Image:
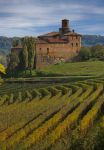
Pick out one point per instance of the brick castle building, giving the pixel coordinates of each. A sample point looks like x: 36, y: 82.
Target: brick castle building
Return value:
x: 55, y: 47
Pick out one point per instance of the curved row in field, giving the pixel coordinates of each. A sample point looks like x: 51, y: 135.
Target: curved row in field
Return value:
x: 48, y: 113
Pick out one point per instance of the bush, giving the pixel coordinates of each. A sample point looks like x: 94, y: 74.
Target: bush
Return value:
x: 85, y: 53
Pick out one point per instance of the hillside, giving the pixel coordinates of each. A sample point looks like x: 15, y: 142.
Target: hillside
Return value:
x: 90, y: 40
x: 87, y: 40
x: 88, y: 68
x: 5, y: 44
x: 73, y: 69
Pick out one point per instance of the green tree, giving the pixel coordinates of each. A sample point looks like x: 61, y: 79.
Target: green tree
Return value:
x: 13, y: 62
x: 85, y: 53
x: 98, y: 51
x: 15, y: 43
x: 24, y: 54
x: 31, y: 52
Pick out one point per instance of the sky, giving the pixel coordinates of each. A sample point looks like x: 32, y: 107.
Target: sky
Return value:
x: 36, y: 17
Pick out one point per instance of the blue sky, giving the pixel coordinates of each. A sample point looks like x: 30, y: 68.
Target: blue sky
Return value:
x: 35, y: 17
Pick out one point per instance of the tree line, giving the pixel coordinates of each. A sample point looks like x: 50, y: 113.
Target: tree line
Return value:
x: 94, y: 53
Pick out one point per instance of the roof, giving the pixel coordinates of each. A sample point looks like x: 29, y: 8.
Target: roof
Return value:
x: 51, y: 40
x: 72, y: 33
x: 41, y: 41
x: 50, y: 34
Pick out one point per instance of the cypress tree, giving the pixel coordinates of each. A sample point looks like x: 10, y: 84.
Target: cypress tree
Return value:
x: 25, y: 57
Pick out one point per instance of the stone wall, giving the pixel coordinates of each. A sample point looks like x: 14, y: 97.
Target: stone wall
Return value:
x: 51, y: 53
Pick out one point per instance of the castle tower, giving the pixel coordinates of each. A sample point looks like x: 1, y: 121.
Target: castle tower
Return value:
x: 65, y: 27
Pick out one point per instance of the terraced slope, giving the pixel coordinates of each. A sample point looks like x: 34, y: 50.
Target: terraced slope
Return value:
x: 53, y: 117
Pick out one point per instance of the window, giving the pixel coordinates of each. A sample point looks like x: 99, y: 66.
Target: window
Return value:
x: 40, y: 50
x: 72, y: 44
x: 76, y: 44
x: 47, y: 51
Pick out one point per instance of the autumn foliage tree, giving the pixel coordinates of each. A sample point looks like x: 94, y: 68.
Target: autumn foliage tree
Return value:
x: 2, y: 69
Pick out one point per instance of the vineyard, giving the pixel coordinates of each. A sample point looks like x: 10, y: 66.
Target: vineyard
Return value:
x: 52, y: 117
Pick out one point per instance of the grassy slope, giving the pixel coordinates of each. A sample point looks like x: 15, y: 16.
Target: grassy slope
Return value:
x: 94, y: 68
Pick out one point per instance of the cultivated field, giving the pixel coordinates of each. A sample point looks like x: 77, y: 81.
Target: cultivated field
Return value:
x: 58, y: 117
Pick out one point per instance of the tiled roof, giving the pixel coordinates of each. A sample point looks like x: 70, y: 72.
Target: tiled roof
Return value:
x: 50, y: 34
x: 72, y: 33
x: 41, y: 41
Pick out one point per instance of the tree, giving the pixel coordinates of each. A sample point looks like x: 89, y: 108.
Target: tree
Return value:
x: 2, y: 69
x: 98, y: 51
x: 31, y: 52
x: 13, y: 62
x: 28, y: 44
x: 15, y: 43
x: 85, y: 53
x: 25, y: 57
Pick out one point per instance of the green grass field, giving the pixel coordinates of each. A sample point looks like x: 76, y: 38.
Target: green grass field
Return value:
x: 90, y: 68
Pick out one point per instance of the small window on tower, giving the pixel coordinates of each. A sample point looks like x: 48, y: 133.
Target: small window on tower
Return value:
x: 65, y: 23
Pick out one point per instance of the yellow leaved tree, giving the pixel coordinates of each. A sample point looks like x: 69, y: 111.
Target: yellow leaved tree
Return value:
x: 2, y: 69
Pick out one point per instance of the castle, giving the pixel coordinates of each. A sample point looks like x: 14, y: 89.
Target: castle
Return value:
x: 55, y: 47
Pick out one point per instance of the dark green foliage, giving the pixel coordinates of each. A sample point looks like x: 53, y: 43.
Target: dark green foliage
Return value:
x: 85, y: 53
x: 30, y: 42
x: 16, y: 42
x: 98, y: 52
x: 13, y: 63
x: 90, y: 40
x: 24, y: 54
x: 94, y: 52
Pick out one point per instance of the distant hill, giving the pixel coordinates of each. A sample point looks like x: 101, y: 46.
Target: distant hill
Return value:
x: 90, y: 40
x: 6, y: 44
x: 87, y: 40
